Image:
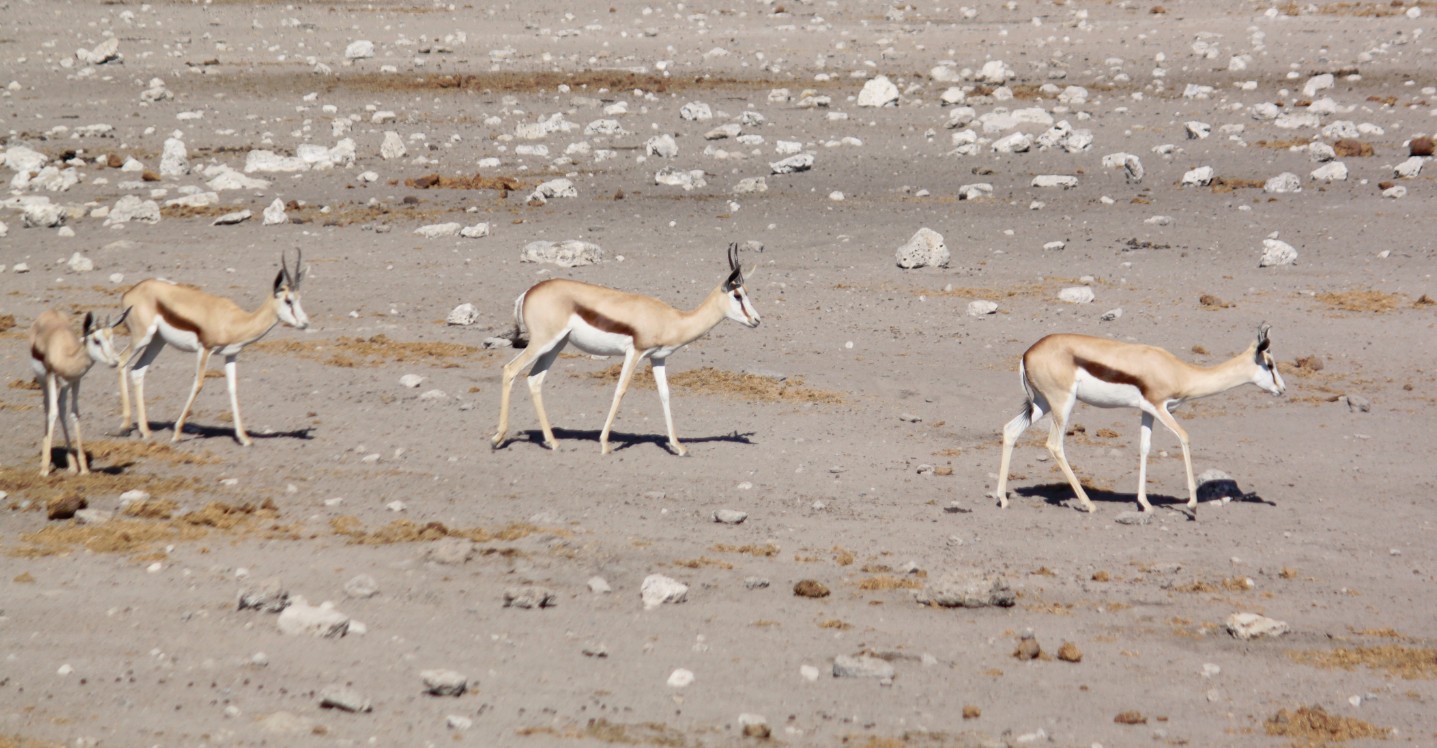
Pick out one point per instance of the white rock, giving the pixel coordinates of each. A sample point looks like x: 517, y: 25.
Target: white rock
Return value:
x: 1198, y: 130
x: 440, y: 230
x: 982, y: 308
x: 688, y: 179
x: 809, y: 673
x: 391, y: 148
x: 658, y: 589
x: 729, y: 516
x: 662, y: 146
x: 1283, y: 183
x: 1396, y: 192
x: 22, y: 158
x: 1253, y: 626
x: 925, y: 248
x: 477, y: 231
x: 1318, y: 83
x: 1199, y: 177
x: 1332, y: 171
x: 1013, y: 143
x: 1321, y: 152
x: 269, y: 161
x: 557, y: 188
x: 464, y: 314
x: 975, y: 191
x: 1058, y: 181
x: 568, y: 253
x: 274, y: 214
x: 862, y: 666
x: 1076, y: 295
x: 106, y: 51
x: 995, y: 71
x: 953, y: 96
x: 229, y: 179
x: 878, y: 92
x: 412, y: 381
x: 724, y: 131
x: 680, y: 678
x: 599, y: 586
x: 751, y: 185
x: 80, y: 264
x: 792, y: 164
x: 444, y: 682
x: 604, y: 127
x: 131, y: 208
x: 696, y: 111
x: 1409, y: 168
x: 302, y: 619
x: 175, y: 161
x: 1276, y: 252
x: 230, y: 219
x: 359, y: 49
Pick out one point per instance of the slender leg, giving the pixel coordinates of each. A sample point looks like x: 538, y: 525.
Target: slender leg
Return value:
x: 631, y: 361
x: 1145, y: 444
x: 1182, y: 435
x: 202, y: 361
x: 52, y: 409
x: 138, y: 365
x: 124, y: 369
x: 536, y: 390
x: 232, y: 380
x: 1055, y: 446
x: 511, y: 372
x: 1011, y: 432
x: 661, y: 379
x: 79, y: 442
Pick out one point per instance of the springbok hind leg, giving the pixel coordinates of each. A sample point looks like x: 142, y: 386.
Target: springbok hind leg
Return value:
x: 1055, y: 446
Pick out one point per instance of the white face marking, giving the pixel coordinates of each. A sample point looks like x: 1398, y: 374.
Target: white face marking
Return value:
x: 1098, y: 393
x: 740, y: 309
x: 101, y: 346
x: 290, y: 312
x: 596, y: 342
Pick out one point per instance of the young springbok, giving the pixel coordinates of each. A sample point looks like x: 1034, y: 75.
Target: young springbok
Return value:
x: 60, y: 359
x: 605, y: 322
x: 191, y: 320
x: 1061, y: 370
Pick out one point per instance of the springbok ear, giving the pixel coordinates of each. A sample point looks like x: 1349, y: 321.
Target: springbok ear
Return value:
x: 279, y: 281
x: 1262, y: 340
x: 121, y: 320
x: 89, y: 322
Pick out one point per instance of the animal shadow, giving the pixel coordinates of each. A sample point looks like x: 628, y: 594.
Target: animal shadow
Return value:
x: 202, y: 431
x: 621, y: 440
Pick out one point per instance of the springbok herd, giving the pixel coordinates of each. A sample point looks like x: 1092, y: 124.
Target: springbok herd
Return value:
x: 1056, y: 372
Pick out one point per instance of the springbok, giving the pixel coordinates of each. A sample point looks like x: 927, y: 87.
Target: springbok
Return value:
x: 604, y: 322
x: 1060, y: 370
x: 60, y: 360
x: 191, y: 320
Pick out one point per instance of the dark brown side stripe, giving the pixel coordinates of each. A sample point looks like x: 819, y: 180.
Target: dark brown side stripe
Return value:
x: 599, y: 321
x: 174, y: 320
x: 1110, y: 375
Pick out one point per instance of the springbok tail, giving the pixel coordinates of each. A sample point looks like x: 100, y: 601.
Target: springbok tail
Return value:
x: 517, y: 337
x: 1031, y: 411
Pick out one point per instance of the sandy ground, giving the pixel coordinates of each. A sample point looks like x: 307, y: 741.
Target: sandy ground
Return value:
x: 857, y: 427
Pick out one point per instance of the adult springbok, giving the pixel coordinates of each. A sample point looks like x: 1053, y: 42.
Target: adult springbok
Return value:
x: 60, y: 360
x: 191, y: 320
x: 1061, y: 370
x: 604, y: 322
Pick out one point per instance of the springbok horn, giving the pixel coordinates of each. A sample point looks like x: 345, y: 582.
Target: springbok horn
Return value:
x: 298, y: 266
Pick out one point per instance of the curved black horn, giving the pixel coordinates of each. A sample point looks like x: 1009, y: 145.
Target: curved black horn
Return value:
x: 733, y: 256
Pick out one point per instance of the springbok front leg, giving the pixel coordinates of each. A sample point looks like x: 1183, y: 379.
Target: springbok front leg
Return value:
x: 661, y: 380
x: 80, y: 458
x: 1167, y: 420
x: 631, y: 362
x: 202, y: 361
x: 232, y: 382
x: 52, y: 410
x: 1145, y: 445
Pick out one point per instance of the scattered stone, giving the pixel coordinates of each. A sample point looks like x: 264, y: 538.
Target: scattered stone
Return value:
x: 1134, y: 518
x: 359, y: 49
x: 529, y: 597
x: 175, y: 160
x: 458, y: 722
x: 1276, y: 253
x: 751, y: 185
x: 1421, y: 146
x: 1111, y: 314
x: 79, y: 263
x: 93, y: 516
x: 65, y: 507
x: 793, y: 164
x: 1055, y: 181
x: 599, y: 650
x: 1077, y: 295
x: 662, y: 146
x: 730, y: 516
x: 1247, y: 626
x: 321, y: 621
x: 695, y: 111
x: 391, y: 148
x: 686, y: 179
x: 982, y: 308
x: 1283, y: 183
x: 1027, y: 648
x: 1333, y: 171
x: 810, y: 588
x: 878, y: 92
x: 450, y: 551
x: 755, y: 583
x: 967, y: 589
x: 754, y: 726
x: 1198, y: 130
x: 129, y: 208
x: 439, y: 230
x: 477, y: 231
x: 925, y: 248
x: 1410, y: 168
x: 230, y: 219
x: 680, y: 678
x: 361, y: 587
x: 268, y: 596
x: 658, y: 589
x: 863, y: 666
x: 464, y: 314
x: 274, y: 215
x: 444, y: 682
x: 343, y: 698
x: 568, y: 253
x: 971, y: 712
x: 1199, y: 177
x: 599, y: 586
x: 271, y: 162
x: 1069, y: 652
x: 1357, y: 403
x: 104, y: 52
x: 1215, y: 485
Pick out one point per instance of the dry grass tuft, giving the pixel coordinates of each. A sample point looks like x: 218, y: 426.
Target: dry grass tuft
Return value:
x: 150, y: 523
x: 1368, y: 300
x: 7, y: 322
x: 476, y: 182
x: 377, y: 349
x: 1408, y: 663
x: 835, y: 624
x: 616, y: 733
x: 703, y: 561
x: 889, y: 582
x: 711, y: 381
x: 1312, y: 726
x: 768, y: 550
x: 406, y: 531
x: 1226, y: 184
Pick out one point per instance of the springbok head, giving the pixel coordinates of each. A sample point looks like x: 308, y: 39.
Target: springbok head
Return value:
x: 286, y: 292
x: 739, y: 309
x: 99, y: 338
x: 1266, y: 375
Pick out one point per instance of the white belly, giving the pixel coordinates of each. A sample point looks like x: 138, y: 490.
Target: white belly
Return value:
x: 1096, y: 392
x: 181, y: 339
x: 596, y: 342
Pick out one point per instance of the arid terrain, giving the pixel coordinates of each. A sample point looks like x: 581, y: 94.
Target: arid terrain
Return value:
x: 857, y: 427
